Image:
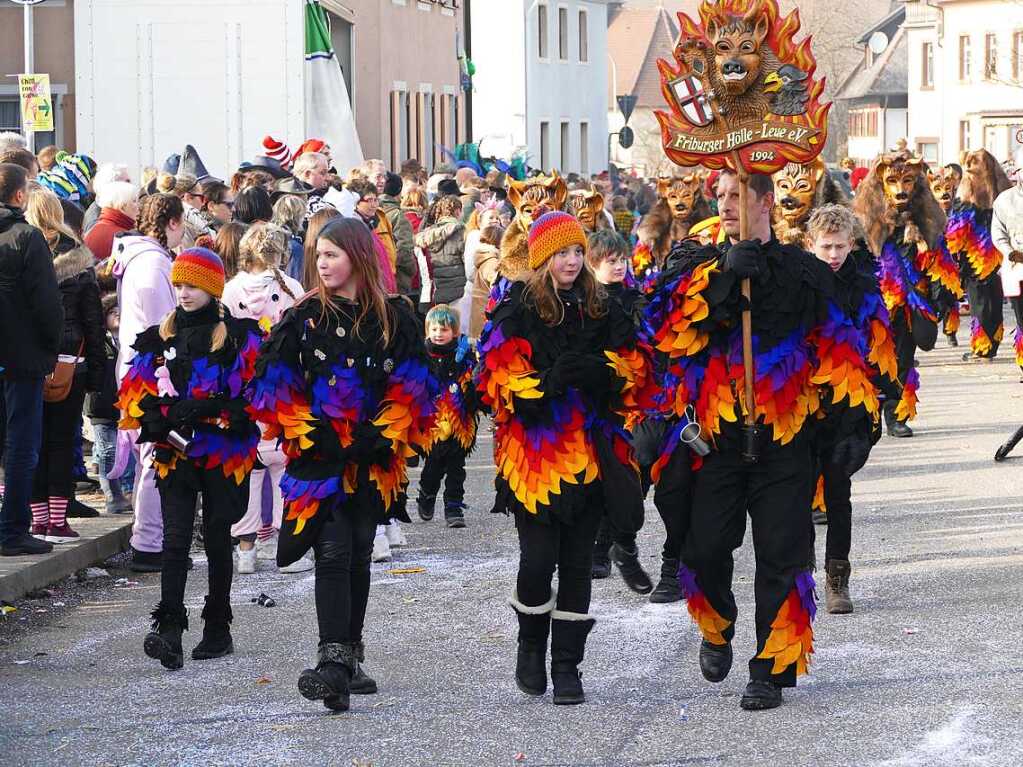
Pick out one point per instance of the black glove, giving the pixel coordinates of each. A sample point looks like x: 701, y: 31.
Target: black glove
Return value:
x: 594, y: 376
x: 565, y: 372
x: 370, y: 445
x: 744, y: 258
x: 851, y: 452
x: 188, y: 412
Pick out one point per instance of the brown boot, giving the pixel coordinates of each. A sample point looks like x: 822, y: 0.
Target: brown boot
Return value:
x: 836, y: 587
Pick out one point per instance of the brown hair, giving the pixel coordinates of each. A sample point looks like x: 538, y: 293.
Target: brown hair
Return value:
x: 13, y: 179
x: 319, y: 219
x: 213, y: 191
x: 245, y: 179
x: 48, y: 157
x: 977, y: 189
x: 263, y: 248
x: 603, y: 244
x: 492, y: 235
x: 227, y: 245
x: 759, y: 183
x: 178, y: 185
x: 831, y: 219
x: 355, y: 239
x: 449, y: 205
x: 414, y: 199
x: 541, y: 294
x: 21, y: 157
x: 362, y: 187
x: 156, y: 213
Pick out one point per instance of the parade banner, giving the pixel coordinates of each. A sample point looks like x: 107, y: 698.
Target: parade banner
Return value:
x: 36, y: 103
x: 742, y: 92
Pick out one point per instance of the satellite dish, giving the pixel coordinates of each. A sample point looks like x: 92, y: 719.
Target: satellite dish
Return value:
x: 878, y: 43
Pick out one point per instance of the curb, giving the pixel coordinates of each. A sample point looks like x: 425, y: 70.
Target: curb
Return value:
x: 102, y: 538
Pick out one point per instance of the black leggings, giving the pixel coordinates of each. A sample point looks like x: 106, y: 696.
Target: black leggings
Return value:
x: 447, y: 459
x: 837, y: 498
x: 223, y: 503
x: 343, y: 553
x: 546, y: 546
x: 57, y: 454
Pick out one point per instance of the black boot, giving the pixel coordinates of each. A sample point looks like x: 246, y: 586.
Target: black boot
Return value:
x: 163, y: 643
x: 601, y: 567
x: 896, y: 428
x: 952, y: 340
x: 760, y: 695
x: 331, y: 678
x: 425, y: 504
x: 632, y: 571
x: 454, y: 514
x: 216, y: 632
x: 531, y: 657
x: 668, y: 588
x: 361, y: 683
x: 715, y: 660
x: 568, y: 646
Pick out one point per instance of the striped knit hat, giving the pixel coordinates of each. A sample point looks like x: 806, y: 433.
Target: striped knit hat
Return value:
x: 553, y: 232
x: 277, y: 150
x: 70, y: 176
x: 200, y: 268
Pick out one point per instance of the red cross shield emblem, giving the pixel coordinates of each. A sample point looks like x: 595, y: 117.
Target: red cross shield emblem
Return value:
x: 692, y: 100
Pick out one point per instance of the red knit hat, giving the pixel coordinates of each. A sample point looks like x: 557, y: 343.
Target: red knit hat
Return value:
x: 277, y: 150
x: 201, y: 268
x: 553, y: 232
x: 311, y: 145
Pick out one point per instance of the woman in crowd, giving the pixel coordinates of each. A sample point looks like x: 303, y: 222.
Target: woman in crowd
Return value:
x: 119, y: 207
x: 218, y: 203
x: 82, y: 346
x: 289, y: 213
x: 227, y: 244
x: 486, y: 260
x: 319, y: 219
x: 343, y: 382
x: 260, y: 291
x: 252, y: 205
x: 445, y: 239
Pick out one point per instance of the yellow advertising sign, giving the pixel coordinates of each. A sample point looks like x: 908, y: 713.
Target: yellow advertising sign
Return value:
x: 36, y: 103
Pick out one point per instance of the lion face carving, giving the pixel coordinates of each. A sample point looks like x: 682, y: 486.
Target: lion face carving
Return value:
x: 681, y: 194
x: 943, y: 186
x: 899, y: 177
x: 795, y: 189
x: 588, y: 208
x: 737, y: 48
x: 536, y: 196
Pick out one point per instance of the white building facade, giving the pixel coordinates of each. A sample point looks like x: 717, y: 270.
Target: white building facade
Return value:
x: 541, y: 82
x: 965, y: 77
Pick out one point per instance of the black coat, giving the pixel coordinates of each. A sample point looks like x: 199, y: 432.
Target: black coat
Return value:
x: 31, y: 316
x: 83, y: 313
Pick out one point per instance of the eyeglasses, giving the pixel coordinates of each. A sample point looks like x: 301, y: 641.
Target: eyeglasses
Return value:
x: 369, y: 200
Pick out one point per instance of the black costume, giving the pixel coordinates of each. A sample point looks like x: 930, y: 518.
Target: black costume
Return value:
x: 809, y: 362
x: 187, y: 400
x: 968, y: 234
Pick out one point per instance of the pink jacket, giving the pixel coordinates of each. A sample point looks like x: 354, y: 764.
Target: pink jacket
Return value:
x: 144, y: 291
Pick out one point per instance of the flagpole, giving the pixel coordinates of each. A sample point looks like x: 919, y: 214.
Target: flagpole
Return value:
x: 29, y: 37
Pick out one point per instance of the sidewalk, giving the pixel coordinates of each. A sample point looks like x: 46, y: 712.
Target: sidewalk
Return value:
x: 101, y: 537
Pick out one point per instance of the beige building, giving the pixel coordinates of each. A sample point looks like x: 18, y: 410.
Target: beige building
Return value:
x: 399, y: 58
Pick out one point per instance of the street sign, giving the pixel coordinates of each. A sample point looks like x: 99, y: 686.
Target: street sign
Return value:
x: 626, y: 104
x: 626, y: 137
x: 36, y: 103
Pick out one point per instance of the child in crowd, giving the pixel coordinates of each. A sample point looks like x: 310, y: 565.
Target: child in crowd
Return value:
x: 101, y: 407
x: 184, y: 392
x: 262, y: 292
x: 452, y: 360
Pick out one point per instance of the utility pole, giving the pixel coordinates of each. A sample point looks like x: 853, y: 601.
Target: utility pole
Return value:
x: 29, y: 37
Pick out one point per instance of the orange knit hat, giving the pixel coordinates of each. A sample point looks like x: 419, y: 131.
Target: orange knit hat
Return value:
x: 553, y: 232
x: 201, y: 268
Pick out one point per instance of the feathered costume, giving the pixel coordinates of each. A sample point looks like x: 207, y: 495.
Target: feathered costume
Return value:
x: 812, y: 367
x: 348, y: 412
x: 968, y: 235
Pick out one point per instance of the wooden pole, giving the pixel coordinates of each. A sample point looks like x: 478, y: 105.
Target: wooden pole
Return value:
x: 747, y: 315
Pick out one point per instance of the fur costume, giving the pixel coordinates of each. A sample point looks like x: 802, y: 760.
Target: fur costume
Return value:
x: 588, y: 208
x: 798, y: 191
x: 680, y: 205
x: 531, y: 199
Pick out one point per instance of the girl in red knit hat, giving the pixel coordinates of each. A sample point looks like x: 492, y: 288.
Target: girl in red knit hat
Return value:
x: 559, y: 368
x: 184, y: 393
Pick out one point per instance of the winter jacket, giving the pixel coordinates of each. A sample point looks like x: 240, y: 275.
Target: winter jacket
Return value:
x: 83, y: 313
x: 487, y: 259
x: 296, y: 258
x: 446, y: 243
x: 145, y: 295
x: 31, y: 312
x: 261, y: 295
x: 101, y: 405
x: 558, y: 395
x: 406, y: 269
x: 348, y: 410
x: 100, y: 239
x: 180, y: 384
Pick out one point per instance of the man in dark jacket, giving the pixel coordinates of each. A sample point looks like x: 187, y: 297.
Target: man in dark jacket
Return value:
x: 406, y: 269
x: 31, y: 328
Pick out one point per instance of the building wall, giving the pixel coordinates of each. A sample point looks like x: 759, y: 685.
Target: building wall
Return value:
x: 404, y: 53
x: 519, y: 91
x: 54, y: 54
x: 991, y: 109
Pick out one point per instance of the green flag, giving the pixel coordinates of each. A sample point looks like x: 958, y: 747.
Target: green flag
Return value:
x: 329, y: 114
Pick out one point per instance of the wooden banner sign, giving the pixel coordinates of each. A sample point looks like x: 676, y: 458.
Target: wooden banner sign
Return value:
x: 741, y: 90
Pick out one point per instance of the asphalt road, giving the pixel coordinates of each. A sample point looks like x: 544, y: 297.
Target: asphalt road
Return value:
x: 927, y: 671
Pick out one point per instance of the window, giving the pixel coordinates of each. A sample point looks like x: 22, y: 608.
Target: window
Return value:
x: 990, y: 56
x: 584, y: 36
x: 456, y: 128
x: 584, y: 148
x: 1017, y: 56
x: 863, y: 123
x: 563, y: 34
x: 565, y: 147
x: 401, y: 127
x: 541, y: 30
x: 427, y: 120
x: 964, y: 57
x: 545, y: 146
x: 927, y: 66
x: 928, y: 150
x: 964, y: 135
